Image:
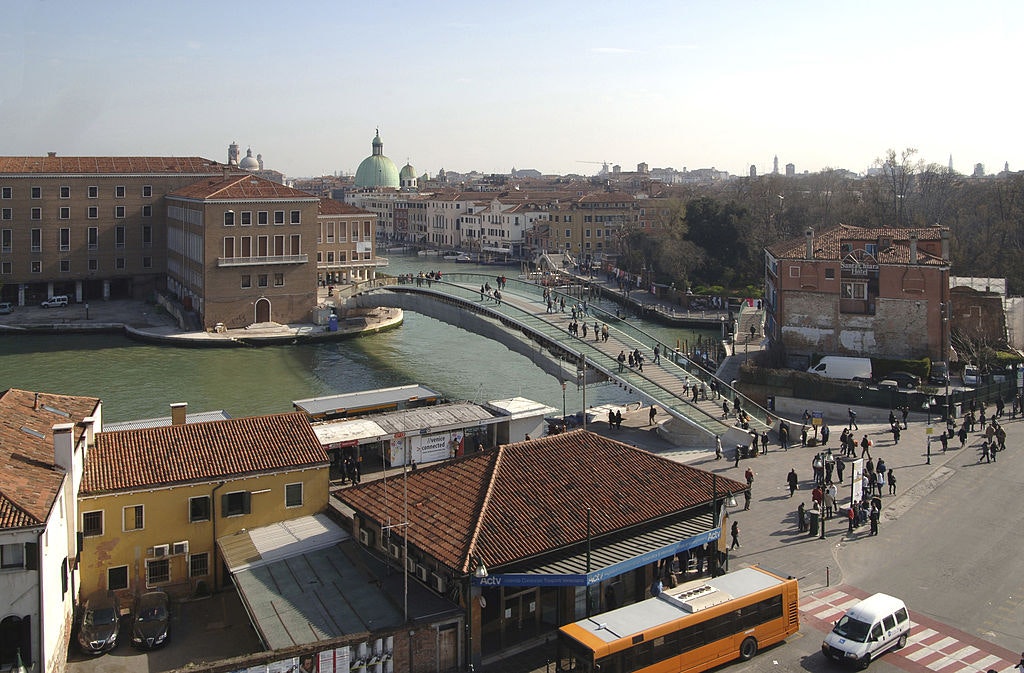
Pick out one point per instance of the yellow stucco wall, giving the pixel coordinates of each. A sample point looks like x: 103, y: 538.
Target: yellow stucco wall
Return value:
x: 166, y: 514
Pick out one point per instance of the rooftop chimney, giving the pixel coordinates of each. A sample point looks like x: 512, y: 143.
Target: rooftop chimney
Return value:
x: 809, y: 238
x: 913, y: 248
x: 64, y: 446
x: 35, y: 403
x: 178, y: 411
x: 51, y: 154
x: 945, y: 246
x: 89, y: 423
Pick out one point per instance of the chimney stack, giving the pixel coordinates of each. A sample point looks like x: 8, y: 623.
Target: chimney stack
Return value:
x: 178, y: 411
x: 64, y: 446
x: 945, y: 246
x: 809, y: 238
x: 913, y: 248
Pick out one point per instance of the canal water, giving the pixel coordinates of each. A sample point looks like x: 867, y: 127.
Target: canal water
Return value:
x: 138, y: 381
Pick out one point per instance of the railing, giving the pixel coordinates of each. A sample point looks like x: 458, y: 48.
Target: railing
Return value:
x: 260, y: 261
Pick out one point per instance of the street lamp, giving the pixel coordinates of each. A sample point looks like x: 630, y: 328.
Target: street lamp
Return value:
x: 928, y: 403
x: 564, y: 410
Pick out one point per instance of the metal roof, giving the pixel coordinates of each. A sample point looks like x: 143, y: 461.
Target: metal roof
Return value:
x: 297, y: 591
x: 315, y: 406
x: 421, y: 420
x: 521, y: 407
x: 164, y: 421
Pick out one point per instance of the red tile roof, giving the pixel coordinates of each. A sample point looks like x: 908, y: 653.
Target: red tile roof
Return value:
x: 335, y: 207
x: 241, y: 187
x: 176, y: 454
x: 525, y: 499
x: 30, y: 480
x: 828, y: 244
x: 108, y: 165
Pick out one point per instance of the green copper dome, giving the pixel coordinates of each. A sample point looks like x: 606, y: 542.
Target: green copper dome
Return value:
x: 377, y: 170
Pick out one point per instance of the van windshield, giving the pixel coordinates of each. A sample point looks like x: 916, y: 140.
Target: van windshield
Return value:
x: 852, y: 629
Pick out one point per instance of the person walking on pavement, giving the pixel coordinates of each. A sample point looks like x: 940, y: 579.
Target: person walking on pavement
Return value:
x: 746, y: 499
x: 865, y: 447
x: 718, y: 447
x: 853, y: 419
x: 840, y: 466
x: 792, y: 480
x: 739, y: 448
x: 764, y: 442
x: 891, y: 478
x: 735, y: 536
x: 749, y: 474
x: 873, y: 518
x: 654, y: 412
x: 801, y: 518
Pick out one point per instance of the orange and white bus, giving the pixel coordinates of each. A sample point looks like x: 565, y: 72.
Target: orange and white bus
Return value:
x: 693, y: 627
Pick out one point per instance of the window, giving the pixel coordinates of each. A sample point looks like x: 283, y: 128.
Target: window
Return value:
x: 92, y: 212
x: 158, y: 571
x: 147, y: 190
x: 278, y: 217
x: 118, y: 237
x: 199, y: 565
x: 119, y: 263
x: 830, y: 274
x: 855, y: 291
x: 64, y: 576
x: 6, y: 236
x: 293, y: 495
x: 133, y: 518
x: 261, y: 280
x: 7, y: 214
x: 37, y: 192
x: 37, y: 213
x: 6, y: 193
x: 65, y: 239
x: 236, y: 504
x: 147, y: 236
x: 37, y: 240
x: 12, y: 555
x: 65, y: 192
x: 147, y: 262
x: 229, y: 218
x: 295, y: 243
x: 262, y: 217
x: 246, y: 218
x: 278, y: 280
x: 568, y: 234
x: 94, y: 192
x: 36, y: 266
x: 147, y: 211
x: 65, y: 213
x: 94, y: 265
x: 794, y: 272
x: 117, y: 577
x: 296, y: 217
x: 65, y: 266
x: 118, y: 211
x: 229, y: 247
x: 199, y: 509
x: 92, y: 238
x: 119, y: 191
x: 6, y: 268
x: 246, y: 281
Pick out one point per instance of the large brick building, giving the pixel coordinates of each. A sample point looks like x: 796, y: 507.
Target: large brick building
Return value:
x: 862, y: 292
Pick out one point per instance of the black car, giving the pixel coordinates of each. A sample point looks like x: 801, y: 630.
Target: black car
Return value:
x: 151, y: 621
x: 904, y: 379
x: 100, y: 623
x: 939, y: 374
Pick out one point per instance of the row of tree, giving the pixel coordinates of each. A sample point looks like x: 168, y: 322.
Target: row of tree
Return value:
x: 714, y: 236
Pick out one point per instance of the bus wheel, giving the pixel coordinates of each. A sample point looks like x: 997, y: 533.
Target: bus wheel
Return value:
x: 748, y: 648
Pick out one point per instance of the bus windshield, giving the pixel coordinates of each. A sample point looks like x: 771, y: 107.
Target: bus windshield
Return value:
x: 852, y: 629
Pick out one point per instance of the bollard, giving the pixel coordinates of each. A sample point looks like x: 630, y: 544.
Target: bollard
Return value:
x: 827, y: 578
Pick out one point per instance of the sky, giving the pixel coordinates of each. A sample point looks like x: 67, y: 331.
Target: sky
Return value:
x: 490, y: 86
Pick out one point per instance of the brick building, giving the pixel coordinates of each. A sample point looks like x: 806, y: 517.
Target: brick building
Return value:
x: 848, y: 290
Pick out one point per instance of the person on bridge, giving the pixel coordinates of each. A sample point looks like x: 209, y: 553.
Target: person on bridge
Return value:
x: 654, y: 412
x: 657, y: 353
x: 621, y: 359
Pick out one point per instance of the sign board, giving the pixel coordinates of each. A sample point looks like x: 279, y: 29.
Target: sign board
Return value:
x: 429, y: 448
x: 856, y: 480
x: 817, y: 418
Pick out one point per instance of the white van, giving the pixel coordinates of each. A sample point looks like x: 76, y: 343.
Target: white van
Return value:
x: 55, y: 300
x: 875, y: 625
x: 842, y: 367
x: 971, y: 376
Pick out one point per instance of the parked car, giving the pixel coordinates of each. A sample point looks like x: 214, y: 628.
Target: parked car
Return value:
x: 904, y: 379
x: 6, y: 307
x: 939, y: 374
x: 55, y: 301
x: 100, y: 623
x: 151, y: 620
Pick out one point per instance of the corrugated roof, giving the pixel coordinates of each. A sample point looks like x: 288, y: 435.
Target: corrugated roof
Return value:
x: 364, y: 399
x: 525, y: 499
x: 200, y: 417
x: 109, y: 165
x: 177, y: 454
x: 29, y: 479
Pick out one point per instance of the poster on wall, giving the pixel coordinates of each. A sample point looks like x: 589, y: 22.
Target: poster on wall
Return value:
x: 431, y: 448
x: 334, y: 661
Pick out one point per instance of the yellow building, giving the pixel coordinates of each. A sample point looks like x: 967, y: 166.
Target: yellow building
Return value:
x: 153, y: 501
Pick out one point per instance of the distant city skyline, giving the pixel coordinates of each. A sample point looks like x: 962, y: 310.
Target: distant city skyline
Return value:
x: 557, y: 87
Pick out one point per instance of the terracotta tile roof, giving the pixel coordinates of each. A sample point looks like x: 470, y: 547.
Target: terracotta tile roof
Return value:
x: 108, y: 165
x: 29, y: 480
x: 176, y: 454
x: 524, y: 499
x: 241, y: 187
x: 828, y: 244
x: 335, y: 207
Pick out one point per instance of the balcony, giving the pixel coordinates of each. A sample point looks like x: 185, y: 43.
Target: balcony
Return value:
x: 262, y: 261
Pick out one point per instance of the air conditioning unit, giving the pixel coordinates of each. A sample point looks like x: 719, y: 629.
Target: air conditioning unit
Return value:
x: 180, y: 547
x: 365, y: 537
x: 395, y: 550
x: 438, y: 583
x: 410, y: 565
x: 421, y: 572
x: 160, y: 550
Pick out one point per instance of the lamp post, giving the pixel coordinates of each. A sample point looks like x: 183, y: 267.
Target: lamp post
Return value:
x: 565, y: 411
x: 928, y: 403
x: 476, y: 603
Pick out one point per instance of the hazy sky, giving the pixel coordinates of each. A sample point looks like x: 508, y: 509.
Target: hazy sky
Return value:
x: 489, y: 86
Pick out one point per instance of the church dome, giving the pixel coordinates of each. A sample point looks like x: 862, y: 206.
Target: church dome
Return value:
x: 408, y: 172
x: 249, y: 163
x: 377, y: 170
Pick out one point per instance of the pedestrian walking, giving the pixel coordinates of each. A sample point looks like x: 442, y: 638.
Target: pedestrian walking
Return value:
x: 840, y: 466
x: 618, y: 419
x: 792, y: 481
x: 654, y: 412
x: 657, y: 354
x: 764, y: 442
x: 718, y: 447
x: 735, y: 536
x: 725, y: 408
x: 801, y: 518
x: 739, y: 449
x: 896, y: 434
x: 749, y: 475
x: 891, y: 478
x: 865, y: 447
x: 853, y: 419
x: 621, y: 359
x: 746, y: 499
x: 905, y: 410
x: 962, y: 435
x: 873, y: 518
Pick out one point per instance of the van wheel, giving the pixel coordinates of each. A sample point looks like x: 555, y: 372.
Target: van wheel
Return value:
x: 902, y: 642
x: 748, y: 648
x: 865, y: 662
